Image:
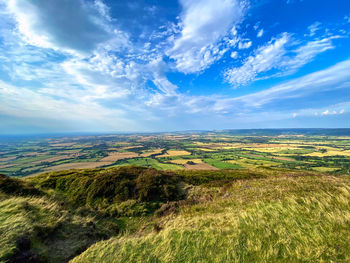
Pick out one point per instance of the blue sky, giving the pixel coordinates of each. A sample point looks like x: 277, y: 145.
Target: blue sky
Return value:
x: 125, y: 66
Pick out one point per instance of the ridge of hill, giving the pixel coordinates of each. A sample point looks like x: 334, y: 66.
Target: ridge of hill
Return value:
x: 134, y: 214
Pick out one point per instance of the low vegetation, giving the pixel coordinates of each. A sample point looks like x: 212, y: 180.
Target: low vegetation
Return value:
x: 139, y: 214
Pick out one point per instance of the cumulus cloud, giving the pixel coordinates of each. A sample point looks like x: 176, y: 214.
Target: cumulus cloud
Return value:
x: 282, y: 54
x: 204, y: 23
x: 88, y: 73
x: 74, y: 26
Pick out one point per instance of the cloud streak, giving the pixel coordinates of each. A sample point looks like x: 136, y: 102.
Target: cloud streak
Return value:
x: 203, y: 25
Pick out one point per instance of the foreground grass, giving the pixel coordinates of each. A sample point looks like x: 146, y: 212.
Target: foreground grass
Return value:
x: 134, y: 214
x: 277, y: 219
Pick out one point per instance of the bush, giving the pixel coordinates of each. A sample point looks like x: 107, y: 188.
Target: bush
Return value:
x: 14, y: 186
x: 155, y: 186
x: 102, y: 188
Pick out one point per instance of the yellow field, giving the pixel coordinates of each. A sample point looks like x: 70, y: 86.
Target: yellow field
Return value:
x: 271, y: 150
x: 174, y: 153
x: 206, y: 149
x: 115, y: 156
x: 184, y: 161
x: 329, y: 153
x: 325, y: 169
x: 151, y: 152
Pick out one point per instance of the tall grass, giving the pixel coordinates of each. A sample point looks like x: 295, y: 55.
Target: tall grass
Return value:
x: 301, y: 219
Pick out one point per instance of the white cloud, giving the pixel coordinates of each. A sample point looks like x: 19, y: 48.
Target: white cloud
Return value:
x: 204, y: 24
x: 333, y: 112
x: 31, y: 105
x: 234, y: 54
x: 306, y: 53
x: 264, y: 59
x: 347, y: 18
x: 244, y: 44
x: 314, y: 28
x: 335, y: 77
x: 260, y: 33
x: 280, y: 54
x: 73, y: 26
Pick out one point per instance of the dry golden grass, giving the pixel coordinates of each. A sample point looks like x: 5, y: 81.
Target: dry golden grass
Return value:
x: 115, y: 156
x: 151, y: 152
x: 206, y: 149
x: 184, y: 161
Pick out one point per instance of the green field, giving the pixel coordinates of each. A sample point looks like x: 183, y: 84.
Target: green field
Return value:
x: 310, y: 151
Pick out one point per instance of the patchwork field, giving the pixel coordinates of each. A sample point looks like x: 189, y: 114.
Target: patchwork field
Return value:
x: 202, y: 150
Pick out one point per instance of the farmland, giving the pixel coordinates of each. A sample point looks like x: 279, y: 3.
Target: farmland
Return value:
x: 169, y: 197
x: 323, y: 151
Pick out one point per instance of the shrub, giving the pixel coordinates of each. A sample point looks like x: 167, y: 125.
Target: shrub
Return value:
x: 15, y: 186
x: 102, y: 188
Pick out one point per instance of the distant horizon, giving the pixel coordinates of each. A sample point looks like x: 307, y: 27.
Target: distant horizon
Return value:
x: 72, y: 134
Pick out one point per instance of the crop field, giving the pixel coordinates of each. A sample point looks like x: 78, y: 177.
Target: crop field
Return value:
x: 197, y: 150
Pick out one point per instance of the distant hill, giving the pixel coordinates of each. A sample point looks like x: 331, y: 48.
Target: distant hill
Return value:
x: 301, y: 131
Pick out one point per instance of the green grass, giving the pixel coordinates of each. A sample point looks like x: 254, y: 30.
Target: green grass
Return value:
x: 149, y: 162
x: 291, y: 219
x: 221, y: 165
x: 109, y: 215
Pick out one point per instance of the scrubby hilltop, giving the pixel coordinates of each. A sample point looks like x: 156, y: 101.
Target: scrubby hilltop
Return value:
x: 136, y: 214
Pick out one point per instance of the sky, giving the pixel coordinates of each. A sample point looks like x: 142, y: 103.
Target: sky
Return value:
x: 155, y: 65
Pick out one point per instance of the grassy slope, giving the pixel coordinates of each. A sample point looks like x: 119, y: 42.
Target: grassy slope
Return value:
x: 275, y: 219
x: 261, y: 215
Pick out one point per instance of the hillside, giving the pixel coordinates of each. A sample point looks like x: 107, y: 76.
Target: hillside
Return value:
x: 135, y: 214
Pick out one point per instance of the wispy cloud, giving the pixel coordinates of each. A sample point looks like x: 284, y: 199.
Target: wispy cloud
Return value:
x: 204, y: 23
x: 282, y: 54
